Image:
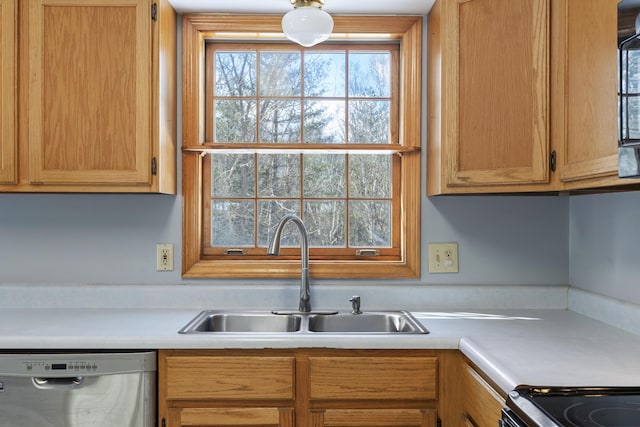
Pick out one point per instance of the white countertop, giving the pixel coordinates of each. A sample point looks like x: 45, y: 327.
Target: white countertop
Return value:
x: 513, y: 347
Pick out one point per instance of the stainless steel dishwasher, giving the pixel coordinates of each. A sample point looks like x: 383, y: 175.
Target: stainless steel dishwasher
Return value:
x: 78, y: 390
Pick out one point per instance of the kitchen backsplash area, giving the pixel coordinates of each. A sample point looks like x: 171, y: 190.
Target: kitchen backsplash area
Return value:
x: 111, y: 239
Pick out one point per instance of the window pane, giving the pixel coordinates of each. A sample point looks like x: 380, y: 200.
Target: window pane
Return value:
x: 279, y: 175
x: 325, y: 222
x: 324, y: 175
x: 369, y: 122
x: 370, y: 175
x: 232, y: 175
x: 235, y: 74
x: 232, y: 223
x: 235, y: 120
x: 263, y: 94
x: 369, y: 223
x: 324, y: 122
x: 370, y: 74
x: 271, y: 211
x: 279, y: 120
x: 280, y: 73
x: 631, y: 117
x: 324, y: 74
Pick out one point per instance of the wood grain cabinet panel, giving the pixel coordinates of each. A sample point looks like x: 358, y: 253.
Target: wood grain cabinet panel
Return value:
x: 396, y: 378
x: 586, y: 125
x: 488, y: 95
x: 96, y: 110
x: 8, y: 83
x: 230, y: 378
x: 305, y: 387
x: 522, y: 96
x: 236, y: 417
x: 90, y: 96
x: 482, y: 405
x: 374, y: 418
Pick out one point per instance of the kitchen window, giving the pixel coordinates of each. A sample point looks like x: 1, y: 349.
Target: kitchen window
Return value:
x: 330, y: 133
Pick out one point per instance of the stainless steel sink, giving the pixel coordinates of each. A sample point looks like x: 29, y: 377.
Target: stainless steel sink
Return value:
x: 367, y: 322
x: 253, y: 322
x: 333, y: 322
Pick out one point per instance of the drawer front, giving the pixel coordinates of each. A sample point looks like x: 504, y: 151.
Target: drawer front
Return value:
x: 241, y: 417
x: 374, y: 418
x: 397, y: 378
x: 241, y: 378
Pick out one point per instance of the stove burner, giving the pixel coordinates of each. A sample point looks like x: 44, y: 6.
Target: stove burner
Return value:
x: 592, y: 414
x: 576, y: 407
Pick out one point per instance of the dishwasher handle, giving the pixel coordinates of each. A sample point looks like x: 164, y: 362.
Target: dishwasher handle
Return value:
x: 63, y: 383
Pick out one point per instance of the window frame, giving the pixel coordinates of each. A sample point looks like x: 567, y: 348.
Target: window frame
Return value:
x: 199, y: 27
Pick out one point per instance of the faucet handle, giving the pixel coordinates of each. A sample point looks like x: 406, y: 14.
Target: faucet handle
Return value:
x: 355, y: 304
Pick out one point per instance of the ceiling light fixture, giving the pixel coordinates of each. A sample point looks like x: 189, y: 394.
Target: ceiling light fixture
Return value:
x: 307, y: 24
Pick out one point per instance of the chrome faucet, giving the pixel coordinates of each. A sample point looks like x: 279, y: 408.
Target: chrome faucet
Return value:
x: 274, y: 249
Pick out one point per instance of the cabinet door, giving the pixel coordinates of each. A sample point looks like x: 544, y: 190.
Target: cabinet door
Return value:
x: 482, y: 404
x: 491, y: 111
x: 374, y: 418
x: 237, y: 417
x: 7, y: 92
x: 585, y: 41
x: 89, y: 92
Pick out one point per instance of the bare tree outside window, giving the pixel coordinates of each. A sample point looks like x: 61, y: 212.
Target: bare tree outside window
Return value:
x: 296, y: 96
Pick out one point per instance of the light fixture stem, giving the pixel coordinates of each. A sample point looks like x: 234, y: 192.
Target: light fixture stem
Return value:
x: 307, y: 3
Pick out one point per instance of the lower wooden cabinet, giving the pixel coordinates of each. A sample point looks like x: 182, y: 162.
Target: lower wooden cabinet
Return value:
x: 481, y: 403
x: 302, y: 387
x: 241, y: 417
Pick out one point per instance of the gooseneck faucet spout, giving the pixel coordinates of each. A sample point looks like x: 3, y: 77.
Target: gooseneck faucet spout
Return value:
x: 274, y: 249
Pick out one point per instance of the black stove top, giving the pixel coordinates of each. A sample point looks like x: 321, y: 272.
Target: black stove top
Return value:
x: 576, y: 407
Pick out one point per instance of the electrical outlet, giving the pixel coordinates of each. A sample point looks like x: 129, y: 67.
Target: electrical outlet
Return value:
x: 443, y: 257
x: 164, y: 256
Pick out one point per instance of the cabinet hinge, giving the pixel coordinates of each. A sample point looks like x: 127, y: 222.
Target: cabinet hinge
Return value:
x: 154, y: 166
x: 154, y: 11
x: 552, y: 161
x: 438, y: 422
x: 164, y: 422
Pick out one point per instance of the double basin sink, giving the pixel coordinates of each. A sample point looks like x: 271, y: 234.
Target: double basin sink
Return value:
x: 315, y: 322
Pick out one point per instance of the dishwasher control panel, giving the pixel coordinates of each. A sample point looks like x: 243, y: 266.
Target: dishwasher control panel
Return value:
x: 72, y: 366
x: 69, y: 365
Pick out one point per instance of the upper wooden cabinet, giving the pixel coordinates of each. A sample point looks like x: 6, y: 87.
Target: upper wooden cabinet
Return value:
x: 488, y: 94
x: 8, y: 147
x: 584, y: 93
x: 522, y: 96
x: 98, y: 98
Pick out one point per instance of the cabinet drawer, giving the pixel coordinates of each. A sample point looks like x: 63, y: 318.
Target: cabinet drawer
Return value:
x: 374, y: 417
x: 212, y: 417
x: 230, y: 378
x: 397, y: 378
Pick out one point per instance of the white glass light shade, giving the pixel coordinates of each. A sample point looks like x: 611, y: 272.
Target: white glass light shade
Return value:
x: 307, y: 25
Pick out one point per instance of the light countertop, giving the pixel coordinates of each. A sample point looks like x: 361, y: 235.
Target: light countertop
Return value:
x: 513, y: 347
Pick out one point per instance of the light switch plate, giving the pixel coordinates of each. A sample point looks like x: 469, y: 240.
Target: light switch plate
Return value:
x: 443, y: 257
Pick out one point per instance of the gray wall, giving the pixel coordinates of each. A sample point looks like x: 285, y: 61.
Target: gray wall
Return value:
x: 604, y: 236
x: 111, y: 238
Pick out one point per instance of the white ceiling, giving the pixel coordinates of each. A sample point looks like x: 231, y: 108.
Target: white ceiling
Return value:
x: 375, y: 7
